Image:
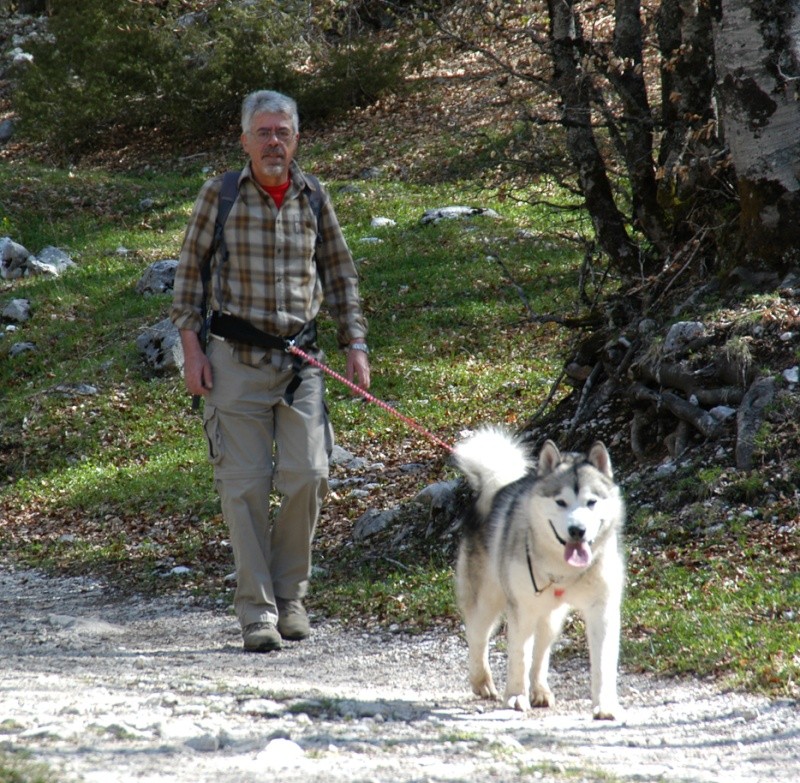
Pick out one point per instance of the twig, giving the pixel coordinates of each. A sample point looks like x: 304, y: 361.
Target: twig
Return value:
x: 541, y: 409
x: 531, y: 315
x: 585, y: 392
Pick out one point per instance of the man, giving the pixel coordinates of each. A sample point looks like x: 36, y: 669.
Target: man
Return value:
x: 282, y: 256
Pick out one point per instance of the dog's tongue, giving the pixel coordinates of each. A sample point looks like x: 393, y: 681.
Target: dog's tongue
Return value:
x: 578, y: 555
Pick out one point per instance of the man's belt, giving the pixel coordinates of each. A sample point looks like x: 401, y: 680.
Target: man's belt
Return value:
x: 232, y: 327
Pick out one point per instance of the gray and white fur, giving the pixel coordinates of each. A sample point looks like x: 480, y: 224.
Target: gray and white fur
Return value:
x: 538, y: 542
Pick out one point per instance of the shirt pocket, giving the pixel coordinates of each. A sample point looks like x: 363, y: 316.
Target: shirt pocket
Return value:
x: 303, y: 242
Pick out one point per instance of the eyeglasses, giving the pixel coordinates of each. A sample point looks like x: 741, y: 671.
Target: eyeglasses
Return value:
x: 264, y: 135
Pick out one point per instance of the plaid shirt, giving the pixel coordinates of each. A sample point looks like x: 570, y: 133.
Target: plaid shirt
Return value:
x: 276, y: 274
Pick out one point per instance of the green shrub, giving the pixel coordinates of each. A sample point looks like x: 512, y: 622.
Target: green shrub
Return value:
x: 102, y: 65
x: 354, y: 74
x: 123, y: 67
x: 242, y: 47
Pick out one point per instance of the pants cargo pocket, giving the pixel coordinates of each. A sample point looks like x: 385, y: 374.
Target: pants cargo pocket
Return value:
x: 211, y: 428
x: 330, y: 438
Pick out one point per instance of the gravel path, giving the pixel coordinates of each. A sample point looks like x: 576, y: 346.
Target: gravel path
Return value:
x: 106, y: 691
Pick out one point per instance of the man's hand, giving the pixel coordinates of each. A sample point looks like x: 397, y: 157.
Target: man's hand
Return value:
x: 196, y: 367
x: 358, y: 368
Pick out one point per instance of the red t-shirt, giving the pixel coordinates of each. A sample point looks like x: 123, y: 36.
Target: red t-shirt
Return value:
x: 278, y: 192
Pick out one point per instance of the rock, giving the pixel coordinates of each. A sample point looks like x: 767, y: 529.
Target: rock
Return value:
x: 681, y: 334
x: 179, y: 571
x: 264, y: 708
x: 722, y: 412
x: 281, y: 753
x: 455, y: 213
x: 340, y: 456
x: 160, y: 346
x: 50, y: 261
x: 12, y: 259
x: 16, y: 261
x: 373, y: 521
x: 205, y: 743
x: 18, y: 310
x: 439, y: 495
x: 20, y: 58
x: 158, y: 278
x: 749, y: 417
x: 19, y: 348
x: 6, y: 131
x: 373, y: 172
x: 76, y: 389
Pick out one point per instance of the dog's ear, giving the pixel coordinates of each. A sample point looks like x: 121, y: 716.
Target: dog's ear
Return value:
x: 599, y: 457
x: 549, y: 458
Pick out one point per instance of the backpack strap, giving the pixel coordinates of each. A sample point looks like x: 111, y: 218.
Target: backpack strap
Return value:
x: 314, y: 198
x: 227, y: 195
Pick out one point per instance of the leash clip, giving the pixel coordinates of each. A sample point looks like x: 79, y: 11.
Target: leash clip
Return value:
x: 289, y: 343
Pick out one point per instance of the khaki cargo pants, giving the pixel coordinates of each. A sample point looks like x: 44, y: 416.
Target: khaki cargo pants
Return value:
x: 255, y: 438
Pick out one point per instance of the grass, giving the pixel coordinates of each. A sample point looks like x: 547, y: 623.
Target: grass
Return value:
x: 18, y: 768
x: 117, y: 483
x: 734, y: 620
x: 411, y: 597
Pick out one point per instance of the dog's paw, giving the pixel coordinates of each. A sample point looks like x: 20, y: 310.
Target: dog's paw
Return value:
x: 484, y: 687
x: 542, y: 697
x: 517, y: 701
x: 608, y: 711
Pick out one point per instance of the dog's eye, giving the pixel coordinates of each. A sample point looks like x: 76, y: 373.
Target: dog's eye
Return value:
x: 591, y: 503
x: 561, y: 503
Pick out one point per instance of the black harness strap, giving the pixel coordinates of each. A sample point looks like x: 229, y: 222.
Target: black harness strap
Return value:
x: 530, y: 569
x: 232, y: 327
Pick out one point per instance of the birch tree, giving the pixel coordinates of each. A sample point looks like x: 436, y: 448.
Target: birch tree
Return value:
x: 756, y: 48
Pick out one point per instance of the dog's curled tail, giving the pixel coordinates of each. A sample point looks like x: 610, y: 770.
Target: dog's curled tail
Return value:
x: 490, y: 459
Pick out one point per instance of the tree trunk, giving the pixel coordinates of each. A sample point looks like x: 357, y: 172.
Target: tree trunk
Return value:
x: 574, y: 88
x: 626, y: 73
x: 691, y: 157
x: 758, y: 78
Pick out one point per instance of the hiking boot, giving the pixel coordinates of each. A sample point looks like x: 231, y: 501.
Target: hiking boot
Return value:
x: 292, y: 619
x: 261, y: 637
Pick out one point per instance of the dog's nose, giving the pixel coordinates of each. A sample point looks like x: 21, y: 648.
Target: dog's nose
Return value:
x: 576, y: 532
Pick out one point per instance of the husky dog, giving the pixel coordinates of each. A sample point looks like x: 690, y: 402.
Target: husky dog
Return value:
x: 538, y: 541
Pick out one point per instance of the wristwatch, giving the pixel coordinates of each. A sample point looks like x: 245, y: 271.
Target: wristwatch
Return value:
x: 358, y: 347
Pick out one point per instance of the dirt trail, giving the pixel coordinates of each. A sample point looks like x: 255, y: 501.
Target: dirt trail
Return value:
x: 111, y: 691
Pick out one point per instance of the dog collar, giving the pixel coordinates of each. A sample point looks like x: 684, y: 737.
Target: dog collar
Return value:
x: 530, y: 570
x: 558, y: 591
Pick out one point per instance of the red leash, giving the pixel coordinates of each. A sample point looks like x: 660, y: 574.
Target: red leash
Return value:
x: 293, y: 349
